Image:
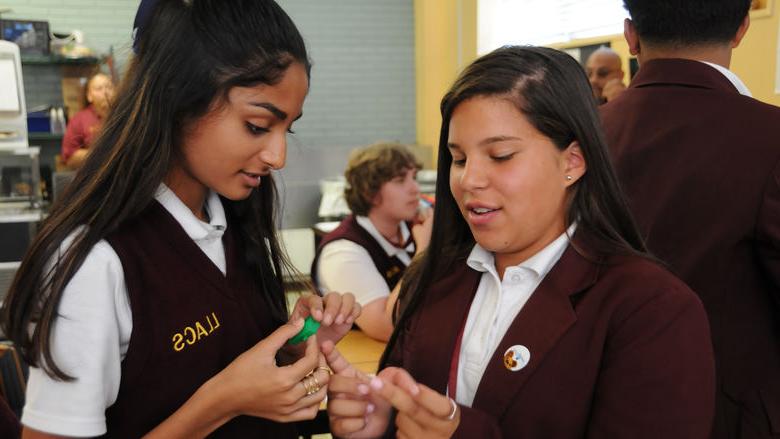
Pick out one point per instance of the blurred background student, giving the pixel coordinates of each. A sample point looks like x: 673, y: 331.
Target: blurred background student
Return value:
x: 84, y: 125
x: 369, y: 251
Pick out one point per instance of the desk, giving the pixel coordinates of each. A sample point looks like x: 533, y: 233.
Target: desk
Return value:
x: 361, y: 350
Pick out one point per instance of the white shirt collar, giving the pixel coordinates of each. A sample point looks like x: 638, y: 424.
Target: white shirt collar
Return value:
x: 540, y: 263
x: 732, y: 77
x: 192, y: 225
x: 389, y: 248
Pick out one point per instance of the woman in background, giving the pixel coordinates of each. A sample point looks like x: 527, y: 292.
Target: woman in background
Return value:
x: 369, y: 251
x: 537, y: 313
x: 83, y: 127
x: 152, y: 302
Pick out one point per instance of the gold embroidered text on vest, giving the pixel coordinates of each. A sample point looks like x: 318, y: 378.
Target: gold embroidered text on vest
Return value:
x: 192, y: 334
x: 392, y: 272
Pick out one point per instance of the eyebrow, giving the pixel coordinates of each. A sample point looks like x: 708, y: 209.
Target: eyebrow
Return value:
x: 279, y: 114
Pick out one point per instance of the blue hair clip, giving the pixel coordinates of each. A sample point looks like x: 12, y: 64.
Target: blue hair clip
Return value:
x: 141, y: 20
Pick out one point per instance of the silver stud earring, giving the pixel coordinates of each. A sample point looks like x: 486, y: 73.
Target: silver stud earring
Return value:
x: 568, y: 177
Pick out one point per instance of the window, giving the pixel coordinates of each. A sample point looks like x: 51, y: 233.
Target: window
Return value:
x: 541, y: 22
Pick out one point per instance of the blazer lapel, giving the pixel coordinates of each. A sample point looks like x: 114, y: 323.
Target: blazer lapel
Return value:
x: 439, y: 323
x: 544, y: 319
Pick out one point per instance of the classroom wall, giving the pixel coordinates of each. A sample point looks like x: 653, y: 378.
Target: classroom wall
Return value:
x: 362, y: 88
x: 755, y: 60
x: 106, y: 25
x: 362, y: 91
x: 445, y: 42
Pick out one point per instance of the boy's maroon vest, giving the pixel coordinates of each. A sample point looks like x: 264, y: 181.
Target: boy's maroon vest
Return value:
x: 390, y: 267
x: 189, y: 322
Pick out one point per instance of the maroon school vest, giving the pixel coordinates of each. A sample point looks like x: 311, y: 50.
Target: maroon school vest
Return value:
x: 390, y: 267
x: 189, y: 322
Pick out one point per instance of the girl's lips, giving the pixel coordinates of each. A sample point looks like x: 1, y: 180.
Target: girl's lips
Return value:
x: 252, y: 180
x: 481, y: 219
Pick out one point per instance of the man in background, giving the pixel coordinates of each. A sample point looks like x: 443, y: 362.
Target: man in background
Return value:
x: 605, y: 73
x: 700, y: 163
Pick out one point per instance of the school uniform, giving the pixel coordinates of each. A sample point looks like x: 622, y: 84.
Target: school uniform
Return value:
x: 374, y: 265
x: 699, y: 160
x: 601, y: 347
x: 159, y: 307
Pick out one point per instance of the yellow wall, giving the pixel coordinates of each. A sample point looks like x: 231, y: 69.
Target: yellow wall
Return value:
x: 755, y: 60
x: 445, y: 42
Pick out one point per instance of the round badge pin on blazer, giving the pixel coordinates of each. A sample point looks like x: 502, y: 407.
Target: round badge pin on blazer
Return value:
x: 516, y: 357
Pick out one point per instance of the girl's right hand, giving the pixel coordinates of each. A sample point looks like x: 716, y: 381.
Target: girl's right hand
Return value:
x: 353, y: 413
x: 254, y: 385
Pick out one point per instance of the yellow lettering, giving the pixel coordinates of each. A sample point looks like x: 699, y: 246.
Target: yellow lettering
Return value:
x: 191, y: 331
x: 178, y: 342
x: 201, y: 330
x: 191, y: 334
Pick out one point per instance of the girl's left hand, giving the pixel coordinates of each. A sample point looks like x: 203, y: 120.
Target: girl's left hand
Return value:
x: 335, y: 312
x: 422, y: 412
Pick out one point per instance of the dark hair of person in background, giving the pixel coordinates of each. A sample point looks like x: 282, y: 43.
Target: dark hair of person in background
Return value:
x: 187, y: 60
x: 687, y: 22
x: 371, y: 167
x: 550, y: 88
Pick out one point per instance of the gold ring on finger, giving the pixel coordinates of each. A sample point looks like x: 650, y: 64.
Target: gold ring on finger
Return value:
x: 306, y: 385
x: 325, y: 368
x: 316, y: 384
x: 312, y: 385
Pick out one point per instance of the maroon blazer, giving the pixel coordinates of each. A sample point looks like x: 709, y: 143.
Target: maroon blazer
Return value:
x: 619, y: 348
x: 700, y: 164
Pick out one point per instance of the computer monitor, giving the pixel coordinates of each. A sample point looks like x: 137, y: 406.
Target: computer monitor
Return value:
x: 13, y: 112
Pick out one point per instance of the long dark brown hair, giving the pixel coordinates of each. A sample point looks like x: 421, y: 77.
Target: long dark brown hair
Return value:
x: 190, y: 53
x: 550, y: 88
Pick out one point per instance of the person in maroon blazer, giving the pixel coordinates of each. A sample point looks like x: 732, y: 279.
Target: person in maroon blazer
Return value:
x: 538, y: 314
x: 699, y: 160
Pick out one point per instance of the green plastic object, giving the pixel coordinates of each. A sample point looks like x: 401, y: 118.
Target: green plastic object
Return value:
x: 310, y: 326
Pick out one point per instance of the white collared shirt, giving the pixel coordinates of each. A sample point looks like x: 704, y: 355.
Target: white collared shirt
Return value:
x: 364, y: 280
x: 732, y: 77
x: 496, y: 304
x: 93, y: 329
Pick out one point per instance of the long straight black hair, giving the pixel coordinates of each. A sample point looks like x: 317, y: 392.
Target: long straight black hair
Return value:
x: 550, y: 88
x: 190, y: 53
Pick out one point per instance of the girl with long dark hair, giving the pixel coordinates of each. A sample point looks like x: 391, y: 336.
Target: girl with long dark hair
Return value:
x: 536, y: 311
x: 151, y: 301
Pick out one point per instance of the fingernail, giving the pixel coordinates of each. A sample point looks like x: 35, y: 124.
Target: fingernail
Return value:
x: 362, y: 389
x: 376, y: 383
x: 327, y: 320
x: 370, y: 408
x: 339, y: 319
x: 415, y: 389
x: 349, y: 320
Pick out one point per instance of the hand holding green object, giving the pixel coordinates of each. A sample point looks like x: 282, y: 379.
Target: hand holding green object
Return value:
x: 310, y: 326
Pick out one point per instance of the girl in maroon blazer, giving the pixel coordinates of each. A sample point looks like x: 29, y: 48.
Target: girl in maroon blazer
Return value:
x: 152, y: 301
x: 538, y: 313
